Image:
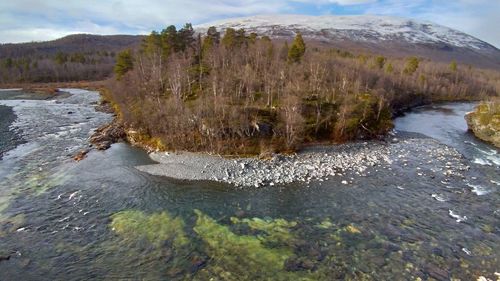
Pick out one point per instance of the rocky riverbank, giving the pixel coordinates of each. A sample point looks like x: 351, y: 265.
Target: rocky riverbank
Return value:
x: 484, y: 122
x: 343, y: 162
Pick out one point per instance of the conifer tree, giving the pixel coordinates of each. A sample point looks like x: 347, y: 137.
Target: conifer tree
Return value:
x: 213, y: 34
x: 212, y: 39
x: 151, y: 44
x: 453, y: 66
x: 124, y: 63
x: 229, y: 39
x: 297, y: 50
x: 185, y: 38
x: 380, y: 62
x: 411, y: 65
x: 169, y: 40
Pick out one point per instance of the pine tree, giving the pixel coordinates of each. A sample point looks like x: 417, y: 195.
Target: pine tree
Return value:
x: 152, y: 43
x: 234, y: 38
x: 124, y: 63
x: 210, y: 40
x: 169, y: 40
x: 380, y: 62
x: 214, y: 35
x: 229, y: 39
x: 411, y: 65
x: 253, y: 37
x: 185, y: 38
x: 453, y: 66
x: 297, y: 50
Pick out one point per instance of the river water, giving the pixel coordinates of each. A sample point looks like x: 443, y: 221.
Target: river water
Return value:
x: 103, y: 219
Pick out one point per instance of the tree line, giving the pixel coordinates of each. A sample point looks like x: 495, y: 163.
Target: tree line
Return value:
x: 72, y: 58
x: 59, y: 67
x: 244, y: 93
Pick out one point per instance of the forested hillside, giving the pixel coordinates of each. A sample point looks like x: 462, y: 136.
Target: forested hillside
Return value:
x: 242, y: 93
x: 72, y: 58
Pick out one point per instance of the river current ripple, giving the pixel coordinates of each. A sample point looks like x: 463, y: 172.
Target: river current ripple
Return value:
x: 432, y: 211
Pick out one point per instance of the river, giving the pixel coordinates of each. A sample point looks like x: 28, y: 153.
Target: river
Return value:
x: 102, y: 219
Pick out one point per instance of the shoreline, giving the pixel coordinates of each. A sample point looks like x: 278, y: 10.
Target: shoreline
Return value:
x: 315, y: 163
x: 343, y: 163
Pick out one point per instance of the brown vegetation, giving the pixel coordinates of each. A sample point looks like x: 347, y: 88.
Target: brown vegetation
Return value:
x: 245, y: 95
x: 71, y: 58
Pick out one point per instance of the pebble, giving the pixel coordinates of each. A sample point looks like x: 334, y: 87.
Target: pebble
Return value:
x: 315, y: 164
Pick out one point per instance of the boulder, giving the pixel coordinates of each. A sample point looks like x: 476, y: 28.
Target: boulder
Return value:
x: 484, y: 122
x: 106, y: 135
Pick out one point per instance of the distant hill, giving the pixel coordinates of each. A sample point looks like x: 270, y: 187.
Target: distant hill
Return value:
x: 71, y: 58
x: 377, y: 34
x: 91, y: 57
x: 77, y: 43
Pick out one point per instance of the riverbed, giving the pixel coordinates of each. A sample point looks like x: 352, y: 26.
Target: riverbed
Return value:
x: 430, y: 210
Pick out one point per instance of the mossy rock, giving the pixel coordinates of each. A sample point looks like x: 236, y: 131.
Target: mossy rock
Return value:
x: 484, y: 122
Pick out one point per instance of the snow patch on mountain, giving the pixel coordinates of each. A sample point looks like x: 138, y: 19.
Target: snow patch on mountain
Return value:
x: 357, y: 28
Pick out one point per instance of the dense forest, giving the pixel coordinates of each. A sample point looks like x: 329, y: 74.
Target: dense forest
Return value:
x: 241, y: 93
x: 71, y: 58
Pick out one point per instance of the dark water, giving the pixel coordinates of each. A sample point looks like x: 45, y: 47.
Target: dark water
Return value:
x: 8, y: 139
x: 102, y: 219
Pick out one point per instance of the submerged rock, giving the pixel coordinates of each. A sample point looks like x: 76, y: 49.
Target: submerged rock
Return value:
x: 4, y: 256
x: 436, y: 273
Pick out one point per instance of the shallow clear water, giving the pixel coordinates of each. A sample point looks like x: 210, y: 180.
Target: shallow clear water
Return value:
x: 446, y: 123
x: 103, y: 219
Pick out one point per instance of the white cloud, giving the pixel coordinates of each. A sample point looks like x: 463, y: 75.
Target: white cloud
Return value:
x: 27, y: 20
x: 339, y: 2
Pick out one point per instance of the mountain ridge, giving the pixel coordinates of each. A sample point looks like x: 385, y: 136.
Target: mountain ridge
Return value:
x: 392, y: 36
x: 429, y: 31
x: 383, y: 34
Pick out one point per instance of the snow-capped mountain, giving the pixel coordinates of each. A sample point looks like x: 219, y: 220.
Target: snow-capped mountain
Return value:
x: 374, y: 32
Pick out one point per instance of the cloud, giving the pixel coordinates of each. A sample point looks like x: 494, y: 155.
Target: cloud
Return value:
x: 339, y: 2
x: 28, y: 20
x: 27, y: 17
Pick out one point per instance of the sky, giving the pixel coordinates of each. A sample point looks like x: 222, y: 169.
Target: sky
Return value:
x: 39, y: 20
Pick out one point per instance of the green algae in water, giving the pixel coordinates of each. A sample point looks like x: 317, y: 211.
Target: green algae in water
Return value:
x: 276, y: 230
x: 244, y: 257
x: 325, y: 224
x: 157, y: 243
x: 156, y: 228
